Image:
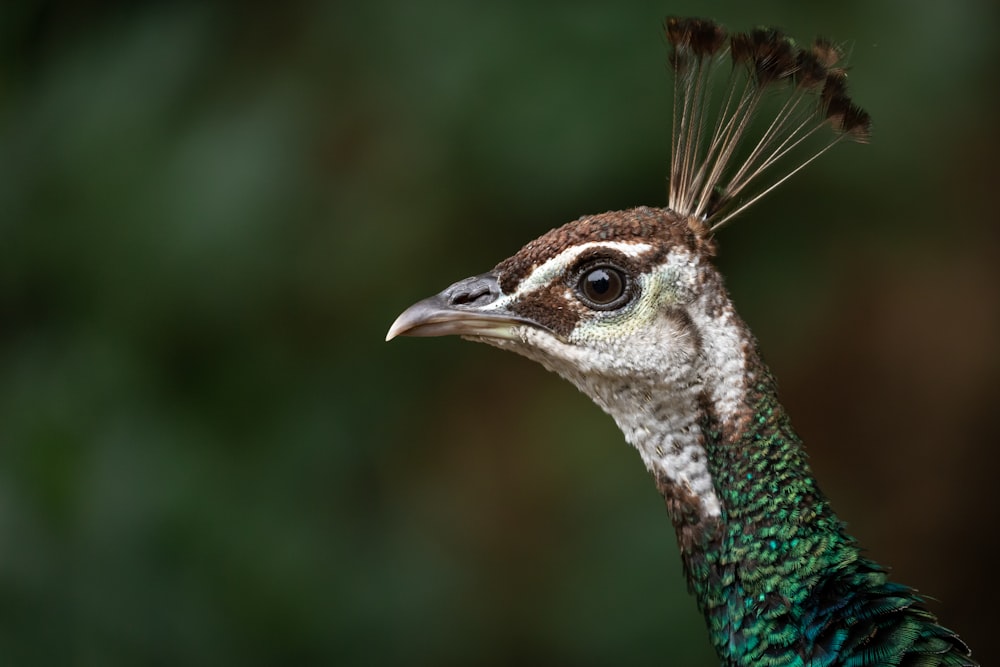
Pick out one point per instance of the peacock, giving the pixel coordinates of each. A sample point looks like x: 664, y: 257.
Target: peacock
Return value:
x: 628, y: 306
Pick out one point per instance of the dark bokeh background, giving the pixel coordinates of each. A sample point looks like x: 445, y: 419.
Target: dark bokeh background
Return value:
x: 210, y: 215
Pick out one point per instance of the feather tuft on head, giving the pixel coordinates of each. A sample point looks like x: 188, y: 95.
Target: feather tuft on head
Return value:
x: 715, y: 157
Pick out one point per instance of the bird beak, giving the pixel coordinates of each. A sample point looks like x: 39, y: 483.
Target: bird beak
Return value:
x: 464, y: 309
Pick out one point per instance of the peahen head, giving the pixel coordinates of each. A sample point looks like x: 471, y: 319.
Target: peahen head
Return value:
x: 628, y: 307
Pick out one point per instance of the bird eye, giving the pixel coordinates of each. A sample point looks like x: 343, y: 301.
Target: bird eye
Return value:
x: 603, y: 288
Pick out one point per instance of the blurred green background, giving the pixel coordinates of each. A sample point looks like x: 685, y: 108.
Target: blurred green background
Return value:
x: 210, y: 214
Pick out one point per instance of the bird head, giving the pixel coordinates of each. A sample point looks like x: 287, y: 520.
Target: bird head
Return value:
x: 628, y: 294
x: 628, y: 307
x: 607, y: 298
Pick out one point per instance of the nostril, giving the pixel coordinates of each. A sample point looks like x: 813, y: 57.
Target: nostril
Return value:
x: 468, y: 297
x: 473, y: 292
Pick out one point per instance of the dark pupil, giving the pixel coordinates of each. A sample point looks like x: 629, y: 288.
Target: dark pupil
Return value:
x: 602, y: 286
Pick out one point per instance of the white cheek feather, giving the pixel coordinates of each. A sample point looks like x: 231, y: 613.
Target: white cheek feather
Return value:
x: 657, y: 413
x: 723, y: 360
x: 648, y: 373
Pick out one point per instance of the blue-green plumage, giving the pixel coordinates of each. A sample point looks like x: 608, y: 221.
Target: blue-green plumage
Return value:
x: 779, y: 580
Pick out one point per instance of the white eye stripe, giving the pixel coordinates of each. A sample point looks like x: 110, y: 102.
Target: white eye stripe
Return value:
x: 543, y: 274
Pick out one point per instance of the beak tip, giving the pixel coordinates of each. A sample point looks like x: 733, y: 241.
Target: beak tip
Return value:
x: 396, y: 329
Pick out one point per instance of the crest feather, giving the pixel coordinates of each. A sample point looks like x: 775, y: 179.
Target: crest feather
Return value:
x: 715, y: 158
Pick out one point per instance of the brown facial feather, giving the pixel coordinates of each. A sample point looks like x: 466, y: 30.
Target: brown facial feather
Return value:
x: 550, y: 307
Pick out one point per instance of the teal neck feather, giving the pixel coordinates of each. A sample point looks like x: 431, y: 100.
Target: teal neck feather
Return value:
x: 778, y: 579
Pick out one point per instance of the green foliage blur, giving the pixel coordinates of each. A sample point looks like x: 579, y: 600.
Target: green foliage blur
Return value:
x: 211, y: 213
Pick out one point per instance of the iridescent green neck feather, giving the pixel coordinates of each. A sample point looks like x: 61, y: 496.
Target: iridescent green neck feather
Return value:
x: 778, y: 579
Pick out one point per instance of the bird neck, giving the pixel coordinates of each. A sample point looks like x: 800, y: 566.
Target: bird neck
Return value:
x: 755, y: 551
x: 754, y: 568
x: 774, y: 572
